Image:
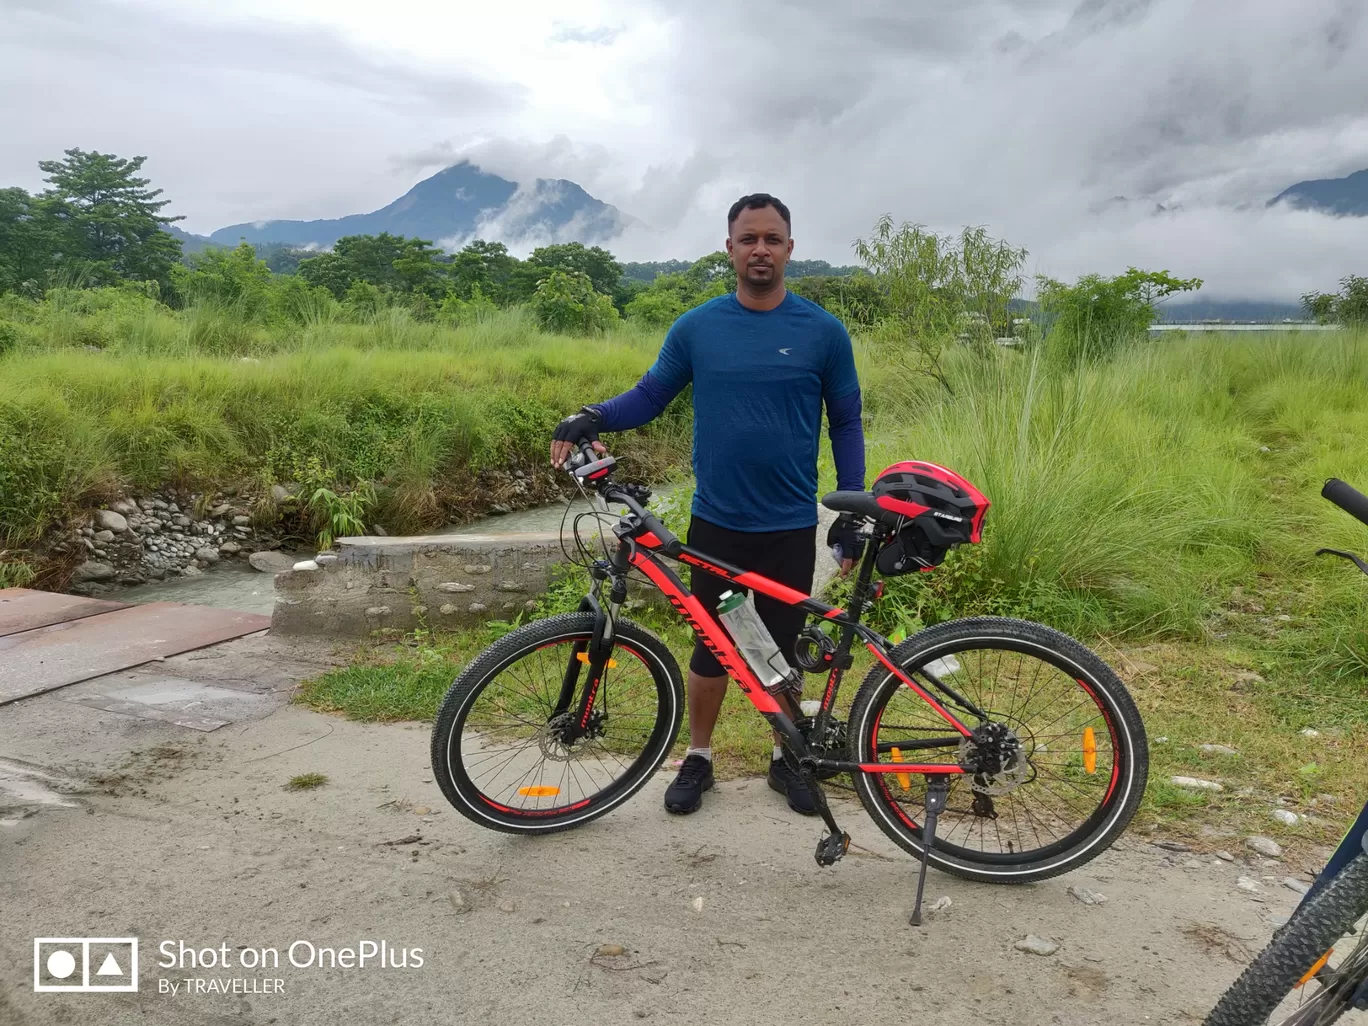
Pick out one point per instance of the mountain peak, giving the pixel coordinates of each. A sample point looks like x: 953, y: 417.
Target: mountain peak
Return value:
x: 1342, y: 197
x: 454, y: 205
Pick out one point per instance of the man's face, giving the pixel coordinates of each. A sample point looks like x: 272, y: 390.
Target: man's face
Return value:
x: 759, y: 247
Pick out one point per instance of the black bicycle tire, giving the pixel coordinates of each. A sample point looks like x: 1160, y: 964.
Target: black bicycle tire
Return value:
x: 503, y: 653
x: 1315, y: 925
x: 1032, y: 637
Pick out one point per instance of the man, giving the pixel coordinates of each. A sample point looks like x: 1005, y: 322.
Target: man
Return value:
x: 762, y: 362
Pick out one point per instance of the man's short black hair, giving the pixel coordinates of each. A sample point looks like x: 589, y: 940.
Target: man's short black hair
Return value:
x: 758, y: 201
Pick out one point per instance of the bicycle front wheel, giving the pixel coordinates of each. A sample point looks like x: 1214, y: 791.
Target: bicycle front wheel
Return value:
x: 501, y: 750
x: 1314, y: 967
x: 1061, y: 753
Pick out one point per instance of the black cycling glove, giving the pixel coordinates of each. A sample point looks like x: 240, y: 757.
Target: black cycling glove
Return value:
x: 579, y: 427
x: 844, y: 535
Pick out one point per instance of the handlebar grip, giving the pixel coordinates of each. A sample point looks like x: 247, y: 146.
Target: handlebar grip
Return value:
x: 669, y: 542
x: 1347, y: 498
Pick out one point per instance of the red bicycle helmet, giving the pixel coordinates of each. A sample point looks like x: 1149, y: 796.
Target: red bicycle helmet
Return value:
x: 942, y: 510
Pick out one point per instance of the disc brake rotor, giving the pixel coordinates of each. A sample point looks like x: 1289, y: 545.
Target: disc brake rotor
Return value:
x: 995, y: 758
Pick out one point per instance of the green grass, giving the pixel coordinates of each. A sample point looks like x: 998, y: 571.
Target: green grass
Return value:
x: 306, y: 782
x: 419, y: 409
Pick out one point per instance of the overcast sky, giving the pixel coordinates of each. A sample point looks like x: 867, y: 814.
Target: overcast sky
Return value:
x: 1063, y: 126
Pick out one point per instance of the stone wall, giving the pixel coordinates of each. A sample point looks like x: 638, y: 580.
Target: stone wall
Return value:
x: 441, y: 581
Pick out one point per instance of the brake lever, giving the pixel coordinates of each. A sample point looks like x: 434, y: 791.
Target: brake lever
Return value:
x: 1345, y: 555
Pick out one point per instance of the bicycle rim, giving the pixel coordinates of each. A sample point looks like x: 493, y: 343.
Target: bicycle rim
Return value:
x: 512, y: 755
x: 1070, y: 744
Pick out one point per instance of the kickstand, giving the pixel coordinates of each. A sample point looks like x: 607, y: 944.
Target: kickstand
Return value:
x: 937, y: 790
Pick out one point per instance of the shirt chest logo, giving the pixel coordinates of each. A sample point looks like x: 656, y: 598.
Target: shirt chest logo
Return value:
x: 786, y: 351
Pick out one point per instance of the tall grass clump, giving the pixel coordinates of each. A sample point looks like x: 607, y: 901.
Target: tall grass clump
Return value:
x: 1130, y: 496
x: 422, y: 420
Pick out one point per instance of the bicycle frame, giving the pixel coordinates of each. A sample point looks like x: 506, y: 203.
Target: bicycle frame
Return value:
x: 642, y: 550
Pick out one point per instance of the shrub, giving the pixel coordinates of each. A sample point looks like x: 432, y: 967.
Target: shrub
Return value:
x: 1348, y: 306
x: 565, y: 302
x: 1097, y: 316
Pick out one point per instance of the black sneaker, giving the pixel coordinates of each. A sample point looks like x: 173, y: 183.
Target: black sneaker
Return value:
x: 791, y: 786
x: 685, y: 795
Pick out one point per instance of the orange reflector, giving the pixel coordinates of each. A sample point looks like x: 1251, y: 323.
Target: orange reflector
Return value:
x: 1320, y: 964
x: 903, y: 778
x: 539, y: 792
x: 584, y: 658
x: 1089, y: 750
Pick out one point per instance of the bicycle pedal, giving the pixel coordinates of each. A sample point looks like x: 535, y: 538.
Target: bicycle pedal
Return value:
x: 831, y: 847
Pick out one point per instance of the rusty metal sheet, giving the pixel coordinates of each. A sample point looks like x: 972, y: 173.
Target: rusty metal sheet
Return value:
x: 60, y: 654
x: 25, y: 610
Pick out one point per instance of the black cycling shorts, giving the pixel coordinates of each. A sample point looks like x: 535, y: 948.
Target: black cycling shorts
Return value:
x: 788, y: 557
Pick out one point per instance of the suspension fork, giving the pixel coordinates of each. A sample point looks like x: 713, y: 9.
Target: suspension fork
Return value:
x: 596, y: 654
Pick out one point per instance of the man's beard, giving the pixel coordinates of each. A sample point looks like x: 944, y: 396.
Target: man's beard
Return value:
x: 763, y: 283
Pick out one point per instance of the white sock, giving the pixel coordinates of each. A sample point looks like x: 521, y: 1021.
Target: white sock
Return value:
x: 778, y: 752
x: 705, y: 752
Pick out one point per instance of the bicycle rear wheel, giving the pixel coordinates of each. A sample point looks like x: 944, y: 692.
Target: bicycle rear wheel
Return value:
x: 1313, y: 968
x: 1063, y: 739
x: 499, y: 745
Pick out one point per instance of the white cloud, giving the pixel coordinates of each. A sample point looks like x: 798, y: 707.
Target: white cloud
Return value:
x: 1029, y: 116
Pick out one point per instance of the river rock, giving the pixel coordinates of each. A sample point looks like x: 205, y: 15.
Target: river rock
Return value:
x: 1264, y: 846
x: 1196, y: 784
x: 207, y: 554
x: 108, y: 520
x: 92, y: 571
x: 103, y: 536
x: 124, y: 506
x: 1036, y: 945
x: 279, y: 493
x: 1293, y: 884
x: 1285, y: 816
x: 1087, y: 897
x: 241, y: 521
x: 269, y: 562
x: 229, y: 548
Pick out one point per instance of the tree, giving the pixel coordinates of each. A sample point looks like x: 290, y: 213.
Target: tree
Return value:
x: 329, y: 271
x: 1097, y: 316
x: 566, y: 301
x: 857, y: 299
x: 715, y: 267
x: 395, y: 264
x: 108, y: 224
x: 1348, y: 306
x: 917, y: 270
x: 594, y: 261
x: 659, y: 303
x: 483, y: 267
x: 226, y: 277
x: 669, y: 295
x: 26, y: 242
x: 989, y: 279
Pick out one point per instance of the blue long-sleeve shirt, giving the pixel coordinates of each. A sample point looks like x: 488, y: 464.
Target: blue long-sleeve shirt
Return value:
x: 761, y: 378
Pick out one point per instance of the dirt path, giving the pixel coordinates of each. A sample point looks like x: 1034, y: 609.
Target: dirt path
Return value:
x: 194, y: 840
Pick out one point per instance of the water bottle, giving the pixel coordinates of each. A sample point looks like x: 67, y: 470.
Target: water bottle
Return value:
x: 752, y: 638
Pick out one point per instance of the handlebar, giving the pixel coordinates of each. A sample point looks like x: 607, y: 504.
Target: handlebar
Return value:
x: 1347, y: 498
x: 595, y: 468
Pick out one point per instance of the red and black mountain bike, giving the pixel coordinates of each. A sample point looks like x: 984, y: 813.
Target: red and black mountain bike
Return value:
x: 996, y: 749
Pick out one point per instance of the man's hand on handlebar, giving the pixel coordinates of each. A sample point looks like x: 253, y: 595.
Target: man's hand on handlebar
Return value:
x: 573, y: 431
